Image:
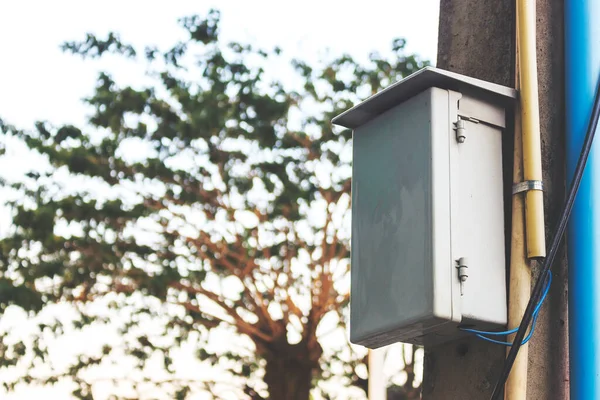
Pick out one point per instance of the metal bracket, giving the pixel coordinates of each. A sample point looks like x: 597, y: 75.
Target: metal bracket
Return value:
x: 526, y: 186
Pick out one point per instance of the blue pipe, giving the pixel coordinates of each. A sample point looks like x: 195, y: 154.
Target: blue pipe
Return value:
x: 582, y: 68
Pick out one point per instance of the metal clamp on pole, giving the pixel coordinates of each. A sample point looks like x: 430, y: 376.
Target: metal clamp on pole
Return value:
x: 526, y: 186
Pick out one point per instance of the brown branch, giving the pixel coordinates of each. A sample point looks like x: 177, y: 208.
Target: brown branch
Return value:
x: 293, y: 307
x: 242, y: 326
x: 333, y: 248
x: 324, y: 241
x: 264, y: 315
x: 203, y: 240
x: 261, y: 307
x: 208, y: 294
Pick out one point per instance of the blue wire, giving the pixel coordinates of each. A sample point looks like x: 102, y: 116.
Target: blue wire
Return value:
x: 480, y: 334
x: 487, y: 339
x: 533, y: 323
x: 509, y: 343
x: 502, y: 333
x: 535, y: 312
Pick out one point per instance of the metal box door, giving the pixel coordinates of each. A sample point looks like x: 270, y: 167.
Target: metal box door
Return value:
x: 401, y: 271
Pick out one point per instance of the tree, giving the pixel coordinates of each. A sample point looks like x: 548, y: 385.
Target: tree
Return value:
x: 213, y: 200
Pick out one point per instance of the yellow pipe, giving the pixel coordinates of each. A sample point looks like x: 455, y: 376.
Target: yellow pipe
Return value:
x: 520, y: 275
x: 530, y: 120
x: 527, y: 236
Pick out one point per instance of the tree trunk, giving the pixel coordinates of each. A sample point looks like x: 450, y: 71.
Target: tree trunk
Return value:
x: 289, y: 369
x: 288, y: 379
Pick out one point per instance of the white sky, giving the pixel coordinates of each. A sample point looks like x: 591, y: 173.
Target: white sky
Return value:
x: 39, y: 82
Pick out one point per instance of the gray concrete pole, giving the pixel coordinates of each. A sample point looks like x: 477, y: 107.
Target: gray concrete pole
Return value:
x: 476, y: 38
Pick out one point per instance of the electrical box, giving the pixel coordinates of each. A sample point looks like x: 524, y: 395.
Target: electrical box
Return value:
x: 428, y: 243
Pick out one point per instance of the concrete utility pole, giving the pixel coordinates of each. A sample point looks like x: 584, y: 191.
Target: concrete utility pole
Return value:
x: 476, y: 38
x: 377, y: 381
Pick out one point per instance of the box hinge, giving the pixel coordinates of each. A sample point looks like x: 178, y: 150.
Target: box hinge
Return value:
x: 460, y: 127
x: 462, y: 266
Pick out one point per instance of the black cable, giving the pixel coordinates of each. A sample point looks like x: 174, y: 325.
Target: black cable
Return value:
x: 556, y: 240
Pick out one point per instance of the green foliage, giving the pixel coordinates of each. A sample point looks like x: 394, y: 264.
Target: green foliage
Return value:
x: 214, y: 173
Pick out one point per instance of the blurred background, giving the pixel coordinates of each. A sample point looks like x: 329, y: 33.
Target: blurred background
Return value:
x: 174, y: 219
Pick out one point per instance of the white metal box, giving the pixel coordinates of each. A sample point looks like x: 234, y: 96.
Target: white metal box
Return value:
x: 427, y: 190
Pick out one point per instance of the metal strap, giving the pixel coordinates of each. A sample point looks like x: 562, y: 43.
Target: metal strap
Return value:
x: 527, y: 186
